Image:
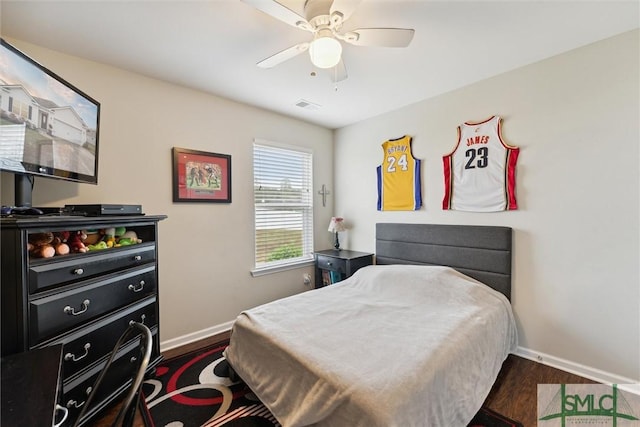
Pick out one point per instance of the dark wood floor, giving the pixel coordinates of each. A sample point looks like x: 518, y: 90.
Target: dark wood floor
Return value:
x: 514, y: 394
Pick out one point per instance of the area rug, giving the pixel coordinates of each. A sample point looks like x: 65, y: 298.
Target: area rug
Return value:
x: 194, y: 390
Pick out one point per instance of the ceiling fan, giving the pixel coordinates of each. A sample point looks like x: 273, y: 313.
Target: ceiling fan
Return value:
x: 324, y: 19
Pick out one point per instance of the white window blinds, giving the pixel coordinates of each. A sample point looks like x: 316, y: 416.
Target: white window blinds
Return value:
x: 283, y: 201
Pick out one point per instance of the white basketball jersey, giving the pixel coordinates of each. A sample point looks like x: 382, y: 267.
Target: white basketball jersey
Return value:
x: 480, y: 173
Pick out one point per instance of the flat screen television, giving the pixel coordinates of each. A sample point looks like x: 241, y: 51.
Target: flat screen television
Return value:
x: 48, y: 127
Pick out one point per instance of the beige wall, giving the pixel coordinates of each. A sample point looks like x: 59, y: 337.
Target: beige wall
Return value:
x: 206, y: 250
x: 575, y: 116
x: 576, y: 281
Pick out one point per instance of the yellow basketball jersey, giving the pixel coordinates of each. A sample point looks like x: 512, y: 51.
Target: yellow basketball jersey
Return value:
x: 399, y: 184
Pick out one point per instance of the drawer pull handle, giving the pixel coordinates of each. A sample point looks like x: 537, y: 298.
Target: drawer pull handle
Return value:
x: 142, y: 319
x: 72, y: 311
x: 137, y: 258
x: 71, y: 356
x: 74, y: 404
x: 329, y: 264
x: 137, y: 288
x: 78, y: 271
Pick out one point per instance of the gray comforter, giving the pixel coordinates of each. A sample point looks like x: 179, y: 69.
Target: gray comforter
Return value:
x: 393, y: 345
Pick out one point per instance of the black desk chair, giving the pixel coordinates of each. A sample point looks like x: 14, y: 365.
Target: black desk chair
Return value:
x: 127, y: 411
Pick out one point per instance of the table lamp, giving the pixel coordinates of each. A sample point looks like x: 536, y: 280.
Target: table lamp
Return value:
x: 335, y: 226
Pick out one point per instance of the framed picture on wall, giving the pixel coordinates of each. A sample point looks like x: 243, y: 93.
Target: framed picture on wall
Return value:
x: 199, y: 176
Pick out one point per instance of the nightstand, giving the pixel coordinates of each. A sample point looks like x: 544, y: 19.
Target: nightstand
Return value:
x: 335, y: 265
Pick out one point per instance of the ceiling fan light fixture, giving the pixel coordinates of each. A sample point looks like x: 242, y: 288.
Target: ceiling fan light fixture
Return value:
x: 325, y: 51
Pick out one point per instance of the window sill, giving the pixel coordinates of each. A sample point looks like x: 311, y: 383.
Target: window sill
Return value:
x: 281, y: 267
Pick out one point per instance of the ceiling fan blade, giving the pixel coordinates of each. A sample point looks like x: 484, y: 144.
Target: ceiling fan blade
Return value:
x: 344, y: 7
x: 284, y: 55
x: 339, y: 72
x: 278, y: 11
x: 383, y: 37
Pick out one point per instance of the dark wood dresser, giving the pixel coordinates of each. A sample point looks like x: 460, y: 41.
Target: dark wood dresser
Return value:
x: 83, y: 301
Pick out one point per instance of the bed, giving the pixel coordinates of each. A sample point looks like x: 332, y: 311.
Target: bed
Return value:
x: 416, y: 340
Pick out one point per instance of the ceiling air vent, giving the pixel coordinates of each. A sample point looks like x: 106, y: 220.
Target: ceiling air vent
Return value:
x: 307, y: 105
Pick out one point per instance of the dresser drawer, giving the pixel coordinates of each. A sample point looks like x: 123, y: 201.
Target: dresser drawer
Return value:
x: 88, y: 344
x: 117, y: 380
x: 331, y: 263
x: 51, y: 272
x: 56, y: 313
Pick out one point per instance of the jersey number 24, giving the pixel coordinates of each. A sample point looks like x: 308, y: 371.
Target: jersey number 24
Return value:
x: 401, y: 161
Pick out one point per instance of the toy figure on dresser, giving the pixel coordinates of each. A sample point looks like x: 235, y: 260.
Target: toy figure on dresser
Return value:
x: 98, y: 246
x: 40, y: 245
x: 60, y: 242
x: 92, y: 236
x: 97, y: 239
x: 48, y: 244
x: 76, y: 242
x: 109, y: 237
x: 128, y: 238
x: 114, y: 237
x: 119, y: 236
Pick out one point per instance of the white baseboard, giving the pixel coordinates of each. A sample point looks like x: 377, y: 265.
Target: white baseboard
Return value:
x: 594, y: 374
x: 195, y: 336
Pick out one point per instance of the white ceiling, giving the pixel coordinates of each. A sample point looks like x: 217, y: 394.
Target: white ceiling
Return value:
x: 213, y: 46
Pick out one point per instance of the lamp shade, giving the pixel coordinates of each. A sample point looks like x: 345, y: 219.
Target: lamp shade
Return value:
x: 325, y: 50
x: 336, y: 225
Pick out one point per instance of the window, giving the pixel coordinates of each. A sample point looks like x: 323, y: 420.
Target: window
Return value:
x: 283, y: 201
x: 20, y: 108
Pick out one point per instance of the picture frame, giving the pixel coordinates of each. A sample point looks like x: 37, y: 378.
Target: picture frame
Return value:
x: 200, y: 176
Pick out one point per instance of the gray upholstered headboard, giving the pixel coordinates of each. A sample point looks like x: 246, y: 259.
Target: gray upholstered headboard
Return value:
x: 482, y: 252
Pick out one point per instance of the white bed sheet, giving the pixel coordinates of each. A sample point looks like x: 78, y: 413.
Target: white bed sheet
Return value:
x: 393, y: 345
